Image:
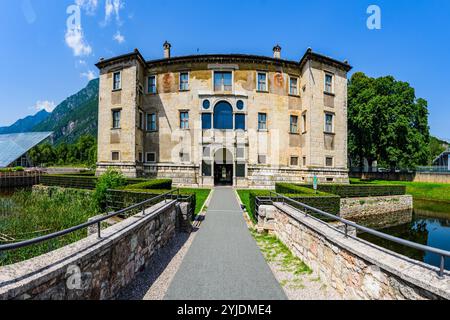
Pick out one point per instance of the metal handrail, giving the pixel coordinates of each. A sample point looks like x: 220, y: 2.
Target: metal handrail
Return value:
x: 97, y: 221
x: 414, y: 245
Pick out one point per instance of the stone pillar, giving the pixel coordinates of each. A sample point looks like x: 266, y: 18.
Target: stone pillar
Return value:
x: 183, y: 221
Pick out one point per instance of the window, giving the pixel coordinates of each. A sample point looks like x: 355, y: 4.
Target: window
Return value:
x: 116, y: 119
x: 151, y: 85
x: 223, y: 116
x: 329, y: 161
x: 240, y: 170
x: 262, y: 159
x: 239, y: 121
x: 304, y: 123
x: 304, y: 161
x: 184, y: 120
x: 262, y: 81
x: 115, y: 156
x: 328, y: 83
x: 294, y: 124
x: 262, y: 121
x: 293, y: 87
x: 328, y: 123
x: 222, y: 81
x: 151, y: 122
x: 294, y: 161
x: 206, y: 121
x: 184, y: 81
x: 150, y: 157
x: 117, y: 80
x: 141, y: 120
x: 206, y: 169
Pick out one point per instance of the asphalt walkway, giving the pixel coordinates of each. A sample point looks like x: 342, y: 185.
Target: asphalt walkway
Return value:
x: 224, y: 262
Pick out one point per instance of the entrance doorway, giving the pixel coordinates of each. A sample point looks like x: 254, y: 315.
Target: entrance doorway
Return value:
x: 223, y: 168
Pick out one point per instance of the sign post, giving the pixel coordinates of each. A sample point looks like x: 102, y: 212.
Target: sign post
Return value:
x: 315, y: 182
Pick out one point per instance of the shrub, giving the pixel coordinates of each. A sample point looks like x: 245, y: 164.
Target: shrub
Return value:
x: 162, y: 184
x: 109, y: 180
x: 362, y: 190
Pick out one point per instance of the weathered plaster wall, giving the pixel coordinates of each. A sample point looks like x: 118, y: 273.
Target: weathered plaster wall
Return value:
x: 355, y: 268
x: 93, y: 268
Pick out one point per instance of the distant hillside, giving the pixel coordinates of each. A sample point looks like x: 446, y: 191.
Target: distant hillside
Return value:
x: 26, y: 124
x: 75, y: 116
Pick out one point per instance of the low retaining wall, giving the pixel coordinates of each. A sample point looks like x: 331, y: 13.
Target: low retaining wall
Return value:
x: 93, y: 268
x: 354, y: 267
x: 360, y: 208
x: 434, y: 177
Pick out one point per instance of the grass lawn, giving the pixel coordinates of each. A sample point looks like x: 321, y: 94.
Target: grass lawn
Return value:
x: 419, y: 190
x: 201, y: 196
x: 244, y: 194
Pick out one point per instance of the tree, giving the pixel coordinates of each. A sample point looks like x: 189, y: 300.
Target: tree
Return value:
x: 386, y: 123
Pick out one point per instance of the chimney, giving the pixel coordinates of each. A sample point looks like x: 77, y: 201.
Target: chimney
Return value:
x: 167, y: 47
x: 277, y: 52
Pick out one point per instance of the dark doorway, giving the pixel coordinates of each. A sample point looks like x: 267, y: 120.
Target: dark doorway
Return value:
x: 223, y: 168
x: 223, y: 174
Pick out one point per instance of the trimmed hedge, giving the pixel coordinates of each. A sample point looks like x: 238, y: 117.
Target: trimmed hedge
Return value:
x: 329, y: 203
x: 345, y: 190
x: 162, y: 184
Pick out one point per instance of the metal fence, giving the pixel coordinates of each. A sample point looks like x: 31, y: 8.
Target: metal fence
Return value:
x: 310, y: 211
x: 172, y: 195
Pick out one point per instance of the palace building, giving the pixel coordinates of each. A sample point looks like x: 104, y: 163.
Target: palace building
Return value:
x: 224, y: 119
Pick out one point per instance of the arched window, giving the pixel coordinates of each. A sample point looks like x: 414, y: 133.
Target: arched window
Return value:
x: 223, y: 116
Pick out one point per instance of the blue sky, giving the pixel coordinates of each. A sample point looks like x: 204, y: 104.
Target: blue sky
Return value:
x: 42, y: 63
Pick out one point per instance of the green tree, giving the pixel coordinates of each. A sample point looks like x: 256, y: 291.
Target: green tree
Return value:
x: 386, y: 123
x: 109, y: 180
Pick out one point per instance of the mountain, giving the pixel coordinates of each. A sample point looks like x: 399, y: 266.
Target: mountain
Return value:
x: 75, y: 116
x: 26, y: 124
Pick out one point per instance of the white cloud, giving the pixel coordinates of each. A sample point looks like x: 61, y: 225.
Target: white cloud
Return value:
x: 119, y: 37
x: 112, y: 8
x: 75, y: 40
x: 89, y: 6
x: 82, y: 62
x: 90, y: 75
x: 46, y: 105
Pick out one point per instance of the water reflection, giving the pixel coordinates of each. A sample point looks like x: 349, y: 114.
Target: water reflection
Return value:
x: 431, y: 228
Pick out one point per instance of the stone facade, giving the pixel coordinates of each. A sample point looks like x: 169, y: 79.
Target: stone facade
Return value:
x: 354, y: 267
x: 93, y: 268
x: 192, y: 153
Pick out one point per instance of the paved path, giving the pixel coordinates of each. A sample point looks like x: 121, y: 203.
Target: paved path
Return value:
x: 224, y: 262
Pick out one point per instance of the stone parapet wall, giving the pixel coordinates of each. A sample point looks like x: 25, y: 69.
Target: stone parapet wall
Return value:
x: 354, y: 267
x: 181, y: 175
x: 357, y: 208
x: 433, y: 177
x: 93, y: 268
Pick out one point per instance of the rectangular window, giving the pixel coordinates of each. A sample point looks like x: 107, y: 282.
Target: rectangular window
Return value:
x: 329, y: 161
x: 293, y: 86
x: 115, y: 156
x: 184, y: 81
x: 262, y: 121
x: 294, y: 124
x: 223, y: 81
x: 151, y: 85
x: 184, y: 120
x: 206, y: 121
x: 116, y: 119
x: 328, y: 123
x: 206, y: 169
x: 239, y: 120
x: 304, y: 161
x: 240, y: 170
x: 117, y: 80
x: 262, y: 81
x: 151, y: 122
x: 262, y: 159
x: 304, y: 123
x: 150, y: 157
x: 328, y: 83
x: 294, y: 161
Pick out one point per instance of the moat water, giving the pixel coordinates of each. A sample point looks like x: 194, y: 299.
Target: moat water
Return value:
x: 429, y: 224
